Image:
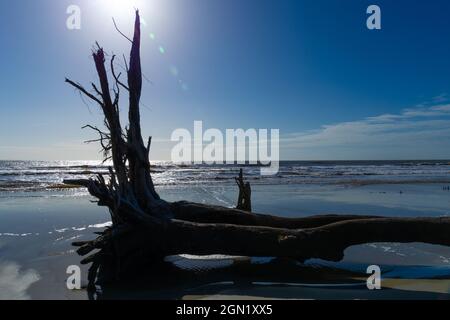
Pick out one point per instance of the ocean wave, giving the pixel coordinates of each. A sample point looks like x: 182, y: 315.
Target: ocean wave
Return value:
x: 49, y: 175
x: 43, y: 173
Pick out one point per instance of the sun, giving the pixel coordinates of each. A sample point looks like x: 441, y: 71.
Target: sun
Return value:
x: 156, y: 15
x: 155, y: 12
x: 121, y: 5
x: 121, y: 8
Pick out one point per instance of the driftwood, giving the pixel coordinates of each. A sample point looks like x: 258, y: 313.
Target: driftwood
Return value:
x: 245, y: 193
x: 145, y: 226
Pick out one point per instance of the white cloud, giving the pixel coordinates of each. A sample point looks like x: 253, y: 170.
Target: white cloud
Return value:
x: 14, y: 283
x: 444, y: 108
x: 421, y: 132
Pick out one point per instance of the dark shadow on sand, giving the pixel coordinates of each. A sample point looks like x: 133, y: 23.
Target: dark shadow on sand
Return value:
x: 278, y: 279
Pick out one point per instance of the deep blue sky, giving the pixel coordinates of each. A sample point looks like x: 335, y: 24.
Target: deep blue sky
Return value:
x: 335, y: 89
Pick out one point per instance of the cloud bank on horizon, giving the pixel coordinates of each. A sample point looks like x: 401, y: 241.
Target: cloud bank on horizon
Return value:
x: 421, y: 132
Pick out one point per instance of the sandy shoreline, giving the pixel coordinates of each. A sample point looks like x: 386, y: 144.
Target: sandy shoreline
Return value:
x: 36, y: 230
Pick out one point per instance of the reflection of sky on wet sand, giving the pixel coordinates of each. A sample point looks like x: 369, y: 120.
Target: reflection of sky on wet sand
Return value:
x: 15, y: 282
x: 37, y: 229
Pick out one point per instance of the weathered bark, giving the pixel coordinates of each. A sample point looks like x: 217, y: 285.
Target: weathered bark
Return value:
x: 139, y: 165
x: 144, y: 225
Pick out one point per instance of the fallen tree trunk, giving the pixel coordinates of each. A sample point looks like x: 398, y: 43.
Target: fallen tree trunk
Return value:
x: 326, y: 242
x: 144, y: 225
x: 201, y: 213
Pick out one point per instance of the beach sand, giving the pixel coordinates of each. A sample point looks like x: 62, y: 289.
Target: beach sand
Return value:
x: 36, y: 231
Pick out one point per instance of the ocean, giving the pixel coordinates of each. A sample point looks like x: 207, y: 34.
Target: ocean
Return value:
x: 47, y: 175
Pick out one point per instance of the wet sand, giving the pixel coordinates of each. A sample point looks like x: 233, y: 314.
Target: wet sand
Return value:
x: 36, y: 231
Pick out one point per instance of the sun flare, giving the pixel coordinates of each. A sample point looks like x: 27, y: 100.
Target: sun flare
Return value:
x: 121, y: 5
x: 122, y: 8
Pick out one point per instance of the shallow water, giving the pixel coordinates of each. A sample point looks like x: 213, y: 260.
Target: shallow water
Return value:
x: 37, y: 228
